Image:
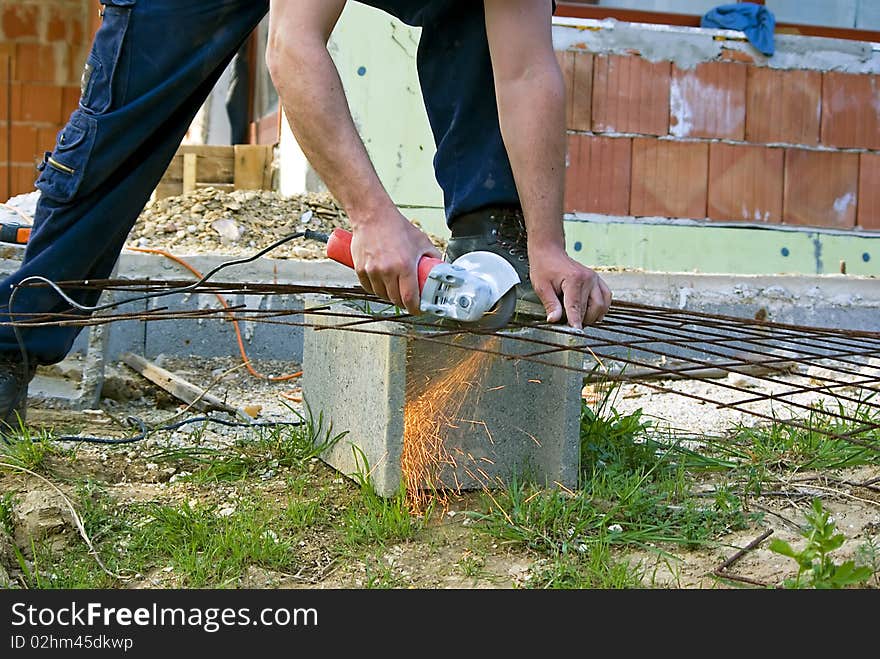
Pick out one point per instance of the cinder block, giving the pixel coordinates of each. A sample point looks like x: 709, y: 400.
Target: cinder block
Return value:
x: 598, y: 175
x: 122, y: 335
x: 482, y: 419
x: 784, y: 106
x: 709, y: 100
x: 745, y: 183
x: 869, y: 191
x: 214, y: 334
x: 851, y: 110
x: 821, y: 188
x: 669, y: 179
x: 630, y: 95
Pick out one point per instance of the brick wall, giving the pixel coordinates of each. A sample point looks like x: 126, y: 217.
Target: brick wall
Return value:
x: 43, y: 48
x: 728, y: 140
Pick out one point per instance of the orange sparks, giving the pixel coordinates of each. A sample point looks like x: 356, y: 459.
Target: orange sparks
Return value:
x: 428, y: 415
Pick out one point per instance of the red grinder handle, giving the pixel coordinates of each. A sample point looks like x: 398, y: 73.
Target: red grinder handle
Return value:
x: 339, y: 249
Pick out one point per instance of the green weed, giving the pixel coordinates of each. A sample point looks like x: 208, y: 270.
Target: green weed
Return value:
x: 372, y: 518
x: 205, y: 547
x: 816, y: 568
x: 272, y: 450
x: 595, y: 567
x: 26, y: 450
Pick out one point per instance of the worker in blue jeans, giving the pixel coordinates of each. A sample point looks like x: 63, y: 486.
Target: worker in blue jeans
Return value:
x: 494, y: 96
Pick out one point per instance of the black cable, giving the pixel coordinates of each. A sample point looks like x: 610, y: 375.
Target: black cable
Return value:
x: 146, y: 431
x: 308, y: 234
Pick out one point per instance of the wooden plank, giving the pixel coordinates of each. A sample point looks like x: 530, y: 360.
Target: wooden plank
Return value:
x: 168, y: 189
x: 208, y: 150
x: 225, y: 187
x: 179, y: 387
x: 190, y: 165
x: 251, y: 163
x: 212, y: 169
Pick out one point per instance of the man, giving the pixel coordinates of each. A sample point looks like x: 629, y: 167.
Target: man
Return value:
x: 494, y: 96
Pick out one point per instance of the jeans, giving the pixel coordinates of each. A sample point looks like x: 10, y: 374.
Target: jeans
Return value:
x: 151, y: 67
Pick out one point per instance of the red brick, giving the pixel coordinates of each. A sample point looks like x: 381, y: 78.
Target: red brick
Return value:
x: 34, y: 62
x: 37, y: 103
x: 598, y: 175
x: 745, y: 183
x: 630, y: 95
x: 851, y: 110
x: 46, y: 139
x: 577, y: 68
x: 4, y: 102
x: 566, y: 65
x: 69, y: 100
x: 669, y: 179
x: 23, y: 179
x: 783, y: 106
x: 20, y: 21
x: 709, y: 101
x: 821, y: 188
x: 65, y: 24
x: 5, y: 68
x: 4, y: 182
x: 869, y: 191
x: 23, y: 141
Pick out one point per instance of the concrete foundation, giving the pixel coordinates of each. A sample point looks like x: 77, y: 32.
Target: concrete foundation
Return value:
x: 420, y: 412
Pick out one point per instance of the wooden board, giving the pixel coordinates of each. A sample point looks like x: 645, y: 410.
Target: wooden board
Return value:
x: 239, y: 167
x: 252, y: 162
x: 177, y: 386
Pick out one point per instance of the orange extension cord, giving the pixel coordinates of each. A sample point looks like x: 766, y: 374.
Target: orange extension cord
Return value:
x: 247, y: 361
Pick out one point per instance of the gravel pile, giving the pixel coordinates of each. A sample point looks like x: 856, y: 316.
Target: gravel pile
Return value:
x: 213, y: 221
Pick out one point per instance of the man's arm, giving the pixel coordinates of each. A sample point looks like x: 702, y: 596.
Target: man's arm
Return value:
x: 531, y: 108
x: 386, y: 247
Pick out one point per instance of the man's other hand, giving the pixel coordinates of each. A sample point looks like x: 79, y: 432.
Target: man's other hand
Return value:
x: 386, y: 253
x: 567, y: 287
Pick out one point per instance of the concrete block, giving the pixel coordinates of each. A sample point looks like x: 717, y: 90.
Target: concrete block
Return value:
x: 214, y: 335
x: 409, y: 400
x: 123, y: 335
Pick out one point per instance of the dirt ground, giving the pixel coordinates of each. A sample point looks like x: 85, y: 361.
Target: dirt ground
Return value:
x: 448, y: 553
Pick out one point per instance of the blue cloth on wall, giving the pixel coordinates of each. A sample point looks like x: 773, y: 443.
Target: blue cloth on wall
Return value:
x: 756, y: 21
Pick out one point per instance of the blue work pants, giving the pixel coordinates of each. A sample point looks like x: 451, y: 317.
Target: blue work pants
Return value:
x: 151, y: 67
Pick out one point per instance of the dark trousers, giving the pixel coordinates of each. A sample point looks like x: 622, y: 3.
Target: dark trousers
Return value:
x: 152, y: 64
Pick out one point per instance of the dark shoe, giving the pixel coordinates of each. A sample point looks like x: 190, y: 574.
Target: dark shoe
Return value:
x: 14, y: 383
x: 498, y: 230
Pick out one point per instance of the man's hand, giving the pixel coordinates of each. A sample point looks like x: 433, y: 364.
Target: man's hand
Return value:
x: 564, y: 285
x: 386, y: 254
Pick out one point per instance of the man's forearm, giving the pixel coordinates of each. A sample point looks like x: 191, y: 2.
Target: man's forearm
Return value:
x: 532, y: 115
x: 312, y: 96
x: 530, y: 92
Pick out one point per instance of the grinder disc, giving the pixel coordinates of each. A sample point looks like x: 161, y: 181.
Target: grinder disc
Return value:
x: 500, y: 314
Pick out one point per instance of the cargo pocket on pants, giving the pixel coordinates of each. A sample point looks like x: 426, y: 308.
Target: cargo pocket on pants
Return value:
x: 101, y: 78
x: 63, y: 170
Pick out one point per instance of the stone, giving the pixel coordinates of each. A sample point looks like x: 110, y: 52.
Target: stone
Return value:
x: 437, y: 410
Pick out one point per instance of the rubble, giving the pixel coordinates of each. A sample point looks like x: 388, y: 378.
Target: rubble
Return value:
x: 241, y: 222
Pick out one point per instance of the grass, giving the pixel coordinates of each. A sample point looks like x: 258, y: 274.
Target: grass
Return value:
x: 271, y: 504
x: 269, y: 451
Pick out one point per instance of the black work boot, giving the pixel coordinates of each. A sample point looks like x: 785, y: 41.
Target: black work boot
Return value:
x: 501, y: 230
x: 14, y: 383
